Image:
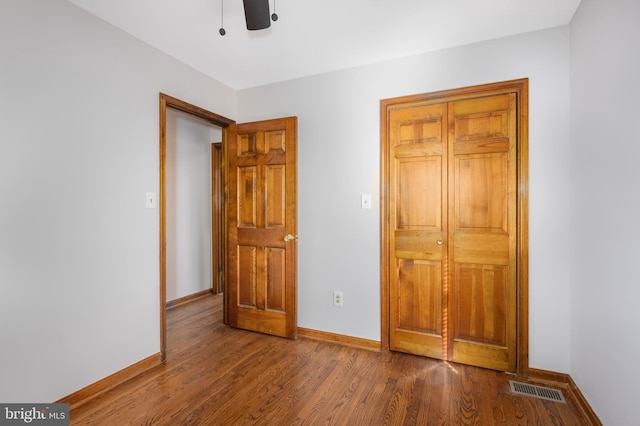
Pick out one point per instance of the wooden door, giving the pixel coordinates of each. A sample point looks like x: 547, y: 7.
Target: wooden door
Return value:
x: 262, y: 226
x: 482, y: 232
x: 451, y: 181
x: 418, y: 212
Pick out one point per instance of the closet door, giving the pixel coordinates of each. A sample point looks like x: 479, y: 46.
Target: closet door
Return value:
x: 482, y: 232
x: 452, y: 201
x: 418, y: 217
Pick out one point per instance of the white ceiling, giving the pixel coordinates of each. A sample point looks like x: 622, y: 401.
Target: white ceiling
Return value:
x: 316, y: 36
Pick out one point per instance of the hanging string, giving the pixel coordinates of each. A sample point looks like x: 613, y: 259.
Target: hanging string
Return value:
x: 274, y: 15
x: 222, y: 30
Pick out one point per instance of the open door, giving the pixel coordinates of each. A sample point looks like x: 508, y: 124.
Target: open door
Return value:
x: 262, y: 226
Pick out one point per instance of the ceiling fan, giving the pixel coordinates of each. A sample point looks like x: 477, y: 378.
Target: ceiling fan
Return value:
x: 256, y: 13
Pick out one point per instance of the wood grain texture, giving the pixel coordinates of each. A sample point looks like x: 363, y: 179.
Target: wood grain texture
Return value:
x: 565, y: 381
x: 356, y: 342
x: 217, y: 218
x: 483, y: 221
x: 92, y: 391
x: 188, y: 298
x: 262, y: 211
x: 216, y: 375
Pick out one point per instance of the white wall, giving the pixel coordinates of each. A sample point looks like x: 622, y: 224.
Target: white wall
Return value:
x: 188, y: 201
x: 339, y: 159
x: 605, y: 88
x: 78, y: 151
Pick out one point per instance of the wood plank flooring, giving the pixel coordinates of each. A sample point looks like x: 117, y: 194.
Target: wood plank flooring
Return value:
x: 216, y: 375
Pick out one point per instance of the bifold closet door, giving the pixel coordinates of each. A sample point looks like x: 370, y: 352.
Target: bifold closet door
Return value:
x: 482, y: 232
x: 452, y: 218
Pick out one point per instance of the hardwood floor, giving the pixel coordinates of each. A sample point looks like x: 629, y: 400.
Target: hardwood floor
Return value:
x: 216, y: 375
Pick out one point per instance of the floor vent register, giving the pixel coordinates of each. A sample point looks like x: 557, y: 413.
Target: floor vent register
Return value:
x: 537, y: 391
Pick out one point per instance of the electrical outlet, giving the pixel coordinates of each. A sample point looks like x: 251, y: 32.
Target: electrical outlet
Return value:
x: 337, y: 298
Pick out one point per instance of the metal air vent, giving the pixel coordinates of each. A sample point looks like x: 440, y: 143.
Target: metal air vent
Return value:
x: 537, y: 391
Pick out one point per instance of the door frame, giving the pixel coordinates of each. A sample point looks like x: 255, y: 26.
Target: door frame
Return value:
x: 217, y: 219
x: 167, y: 101
x: 521, y: 88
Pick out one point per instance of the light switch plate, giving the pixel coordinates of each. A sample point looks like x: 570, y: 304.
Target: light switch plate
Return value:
x: 366, y: 201
x: 151, y: 200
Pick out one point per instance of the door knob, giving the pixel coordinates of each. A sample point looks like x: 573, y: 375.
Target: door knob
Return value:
x: 440, y: 242
x: 290, y: 237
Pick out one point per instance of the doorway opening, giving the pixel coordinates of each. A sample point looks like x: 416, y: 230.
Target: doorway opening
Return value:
x: 217, y: 121
x: 191, y: 203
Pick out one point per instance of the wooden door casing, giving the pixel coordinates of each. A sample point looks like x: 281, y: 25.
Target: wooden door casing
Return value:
x: 454, y: 269
x: 262, y: 212
x: 217, y: 218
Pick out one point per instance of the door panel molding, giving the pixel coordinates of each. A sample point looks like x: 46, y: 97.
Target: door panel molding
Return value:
x: 262, y: 223
x: 477, y: 131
